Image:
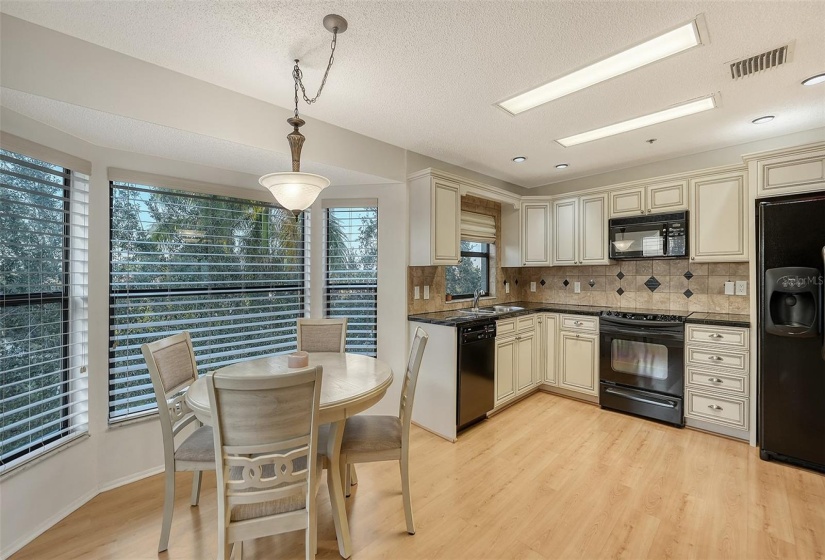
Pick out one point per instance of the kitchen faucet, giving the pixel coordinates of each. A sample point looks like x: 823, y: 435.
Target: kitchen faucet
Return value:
x: 476, y: 294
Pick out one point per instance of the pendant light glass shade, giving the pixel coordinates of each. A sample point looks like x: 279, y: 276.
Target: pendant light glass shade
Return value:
x: 295, y: 191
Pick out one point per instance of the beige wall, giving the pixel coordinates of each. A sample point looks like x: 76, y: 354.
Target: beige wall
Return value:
x: 706, y: 285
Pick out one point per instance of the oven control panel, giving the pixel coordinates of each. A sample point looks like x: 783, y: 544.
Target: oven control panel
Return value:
x: 642, y: 316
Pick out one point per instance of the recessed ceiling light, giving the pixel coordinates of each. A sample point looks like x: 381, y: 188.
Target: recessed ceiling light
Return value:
x: 763, y: 120
x: 672, y: 42
x: 519, y: 159
x: 683, y: 110
x: 563, y: 166
x: 813, y: 80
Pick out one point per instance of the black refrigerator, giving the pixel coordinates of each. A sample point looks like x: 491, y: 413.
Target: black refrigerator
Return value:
x: 791, y: 347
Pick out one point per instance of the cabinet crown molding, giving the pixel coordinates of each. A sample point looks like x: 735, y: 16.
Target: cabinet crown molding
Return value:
x: 789, y: 151
x: 471, y: 187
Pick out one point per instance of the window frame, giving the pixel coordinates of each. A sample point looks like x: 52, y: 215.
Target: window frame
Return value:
x: 64, y: 400
x: 485, y: 255
x: 362, y: 205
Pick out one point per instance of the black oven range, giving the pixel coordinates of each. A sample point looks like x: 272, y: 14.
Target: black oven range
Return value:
x: 642, y: 363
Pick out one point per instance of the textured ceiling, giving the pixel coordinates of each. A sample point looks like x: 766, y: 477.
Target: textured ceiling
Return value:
x: 425, y: 75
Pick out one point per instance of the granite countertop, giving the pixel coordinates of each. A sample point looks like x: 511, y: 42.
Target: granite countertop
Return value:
x: 454, y: 318
x: 723, y: 319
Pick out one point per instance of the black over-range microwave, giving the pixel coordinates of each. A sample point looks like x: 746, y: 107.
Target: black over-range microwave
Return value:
x: 653, y: 236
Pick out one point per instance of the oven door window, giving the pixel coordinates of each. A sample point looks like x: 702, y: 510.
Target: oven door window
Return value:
x: 642, y: 359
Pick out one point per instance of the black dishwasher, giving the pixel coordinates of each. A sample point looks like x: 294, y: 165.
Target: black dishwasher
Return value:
x: 476, y: 372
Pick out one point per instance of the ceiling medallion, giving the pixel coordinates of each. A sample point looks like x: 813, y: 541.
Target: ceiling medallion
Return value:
x: 295, y: 190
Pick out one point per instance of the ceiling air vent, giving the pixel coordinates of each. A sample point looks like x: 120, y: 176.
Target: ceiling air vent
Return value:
x: 760, y: 62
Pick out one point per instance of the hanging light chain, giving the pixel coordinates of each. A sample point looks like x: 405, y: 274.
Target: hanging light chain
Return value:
x: 297, y: 75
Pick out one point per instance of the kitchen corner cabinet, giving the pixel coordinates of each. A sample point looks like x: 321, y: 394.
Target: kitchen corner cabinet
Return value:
x: 535, y: 233
x: 548, y: 334
x: 670, y: 196
x: 580, y: 230
x: 718, y: 219
x: 435, y: 221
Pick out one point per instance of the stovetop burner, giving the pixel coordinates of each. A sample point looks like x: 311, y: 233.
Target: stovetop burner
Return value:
x: 647, y: 315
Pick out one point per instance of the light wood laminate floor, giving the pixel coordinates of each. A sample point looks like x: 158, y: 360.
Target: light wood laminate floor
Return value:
x: 547, y: 478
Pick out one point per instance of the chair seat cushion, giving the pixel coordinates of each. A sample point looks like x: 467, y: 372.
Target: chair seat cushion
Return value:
x: 371, y: 433
x: 198, y: 447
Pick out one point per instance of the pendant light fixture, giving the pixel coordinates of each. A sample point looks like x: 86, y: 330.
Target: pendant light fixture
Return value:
x: 295, y: 190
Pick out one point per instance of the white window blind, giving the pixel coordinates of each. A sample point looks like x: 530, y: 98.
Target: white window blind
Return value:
x: 351, y: 279
x: 228, y: 270
x: 44, y: 296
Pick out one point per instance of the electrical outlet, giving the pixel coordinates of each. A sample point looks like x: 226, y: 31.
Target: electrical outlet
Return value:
x: 426, y: 292
x: 577, y: 287
x: 417, y: 292
x: 742, y: 287
x: 532, y: 286
x: 729, y: 287
x: 507, y: 288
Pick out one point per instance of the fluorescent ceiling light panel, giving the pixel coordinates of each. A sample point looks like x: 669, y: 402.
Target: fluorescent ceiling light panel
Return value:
x: 683, y: 110
x: 673, y: 42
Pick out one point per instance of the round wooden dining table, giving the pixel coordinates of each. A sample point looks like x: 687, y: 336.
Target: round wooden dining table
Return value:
x: 351, y: 383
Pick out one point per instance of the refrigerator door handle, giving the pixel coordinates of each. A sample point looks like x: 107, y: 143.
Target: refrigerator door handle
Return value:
x: 822, y: 304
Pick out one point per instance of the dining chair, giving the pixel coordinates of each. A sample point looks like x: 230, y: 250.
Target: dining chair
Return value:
x: 322, y: 335
x: 172, y: 368
x: 266, y: 441
x: 386, y: 438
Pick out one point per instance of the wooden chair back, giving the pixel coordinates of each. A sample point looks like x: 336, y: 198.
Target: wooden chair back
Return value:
x: 410, y: 380
x: 266, y: 440
x: 322, y: 335
x: 172, y: 368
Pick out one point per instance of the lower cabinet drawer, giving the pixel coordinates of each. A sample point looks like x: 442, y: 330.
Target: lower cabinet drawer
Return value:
x: 580, y: 323
x: 725, y: 410
x: 717, y: 381
x: 707, y: 357
x: 505, y: 327
x: 526, y: 322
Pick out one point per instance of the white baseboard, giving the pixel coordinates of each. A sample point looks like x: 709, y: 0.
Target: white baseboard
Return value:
x: 7, y: 551
x: 46, y: 525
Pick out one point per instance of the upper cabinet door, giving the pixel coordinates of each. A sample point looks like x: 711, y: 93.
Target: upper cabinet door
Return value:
x: 566, y: 229
x: 535, y: 233
x: 629, y: 202
x: 717, y: 220
x: 446, y: 227
x: 667, y: 197
x: 593, y: 240
x: 800, y: 171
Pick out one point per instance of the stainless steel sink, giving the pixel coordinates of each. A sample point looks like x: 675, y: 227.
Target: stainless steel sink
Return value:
x: 481, y: 311
x: 507, y: 308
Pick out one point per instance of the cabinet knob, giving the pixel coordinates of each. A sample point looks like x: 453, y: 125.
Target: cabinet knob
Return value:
x: 642, y: 212
x: 648, y: 211
x: 715, y: 380
x: 578, y: 336
x: 716, y: 358
x: 693, y: 258
x: 714, y: 407
x: 715, y: 335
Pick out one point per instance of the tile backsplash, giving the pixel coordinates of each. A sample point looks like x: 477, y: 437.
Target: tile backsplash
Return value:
x: 676, y: 285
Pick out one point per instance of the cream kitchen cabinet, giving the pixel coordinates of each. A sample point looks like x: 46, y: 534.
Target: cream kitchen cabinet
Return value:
x: 580, y: 230
x: 669, y: 196
x: 535, y: 233
x: 516, y: 370
x: 548, y: 334
x: 577, y: 366
x: 797, y: 170
x: 435, y: 220
x: 718, y: 218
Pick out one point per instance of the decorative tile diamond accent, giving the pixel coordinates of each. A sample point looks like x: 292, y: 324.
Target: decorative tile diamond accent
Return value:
x: 688, y: 275
x: 687, y: 293
x: 620, y: 291
x: 566, y: 283
x: 542, y: 282
x: 591, y: 283
x: 620, y: 275
x: 652, y: 283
